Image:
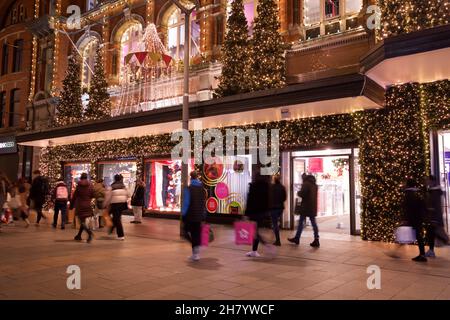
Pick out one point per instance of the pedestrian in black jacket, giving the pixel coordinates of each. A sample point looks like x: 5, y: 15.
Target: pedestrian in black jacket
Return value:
x: 308, y: 208
x: 38, y: 192
x: 414, y: 211
x: 137, y: 201
x: 194, y: 213
x: 434, y: 213
x: 257, y: 209
x: 277, y: 199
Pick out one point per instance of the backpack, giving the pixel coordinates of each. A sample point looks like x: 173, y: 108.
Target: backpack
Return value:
x: 62, y: 193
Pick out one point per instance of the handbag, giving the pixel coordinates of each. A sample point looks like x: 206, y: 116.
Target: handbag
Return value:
x: 405, y: 235
x: 205, y: 234
x: 244, y: 232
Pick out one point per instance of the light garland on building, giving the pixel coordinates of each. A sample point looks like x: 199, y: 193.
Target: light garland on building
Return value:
x: 36, y: 8
x: 149, y: 10
x: 33, y: 68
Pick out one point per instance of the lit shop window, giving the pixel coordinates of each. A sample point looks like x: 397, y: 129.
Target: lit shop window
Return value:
x: 163, y: 184
x: 108, y: 169
x: 88, y: 52
x: 250, y: 12
x: 334, y: 15
x: 175, y: 35
x: 129, y: 42
x: 226, y: 181
x: 72, y: 173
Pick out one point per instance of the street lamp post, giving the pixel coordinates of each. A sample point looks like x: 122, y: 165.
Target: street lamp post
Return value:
x: 185, y: 113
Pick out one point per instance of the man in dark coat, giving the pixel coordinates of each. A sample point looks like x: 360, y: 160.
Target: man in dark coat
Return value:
x: 277, y: 199
x: 137, y: 201
x: 414, y: 210
x: 81, y: 201
x: 193, y: 212
x: 434, y: 214
x: 257, y: 208
x: 38, y: 192
x: 308, y: 208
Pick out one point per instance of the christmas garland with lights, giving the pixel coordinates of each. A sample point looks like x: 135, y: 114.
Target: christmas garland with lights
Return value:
x: 393, y: 146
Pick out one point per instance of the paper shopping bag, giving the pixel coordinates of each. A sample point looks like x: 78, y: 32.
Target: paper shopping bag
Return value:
x: 204, y: 239
x: 405, y: 235
x: 244, y: 232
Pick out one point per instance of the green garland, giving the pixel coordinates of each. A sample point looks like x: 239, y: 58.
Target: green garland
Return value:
x: 393, y: 144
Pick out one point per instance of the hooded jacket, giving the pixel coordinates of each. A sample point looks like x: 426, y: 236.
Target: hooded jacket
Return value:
x: 308, y: 193
x: 193, y: 209
x: 117, y: 193
x: 81, y: 199
x: 414, y: 207
x: 257, y: 199
x: 434, y: 205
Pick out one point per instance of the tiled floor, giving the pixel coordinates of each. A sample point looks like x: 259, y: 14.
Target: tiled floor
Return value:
x: 152, y: 264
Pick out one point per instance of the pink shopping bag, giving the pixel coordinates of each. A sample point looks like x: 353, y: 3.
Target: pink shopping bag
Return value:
x: 204, y: 239
x: 244, y: 232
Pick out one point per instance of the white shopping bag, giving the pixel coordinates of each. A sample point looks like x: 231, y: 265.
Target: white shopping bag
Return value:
x: 405, y: 235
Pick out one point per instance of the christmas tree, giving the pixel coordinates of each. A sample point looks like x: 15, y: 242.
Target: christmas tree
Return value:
x: 235, y: 54
x: 267, y: 63
x: 69, y: 108
x: 99, y: 106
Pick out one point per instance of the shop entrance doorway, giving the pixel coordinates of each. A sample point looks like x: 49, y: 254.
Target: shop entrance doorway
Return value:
x: 443, y: 171
x: 337, y: 178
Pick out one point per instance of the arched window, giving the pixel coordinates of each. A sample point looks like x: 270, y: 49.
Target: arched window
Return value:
x: 88, y: 51
x: 130, y: 41
x: 175, y: 34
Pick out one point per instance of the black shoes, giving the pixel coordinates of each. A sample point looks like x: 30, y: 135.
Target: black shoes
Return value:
x: 294, y: 240
x: 315, y: 243
x: 420, y: 259
x: 77, y: 238
x: 90, y: 238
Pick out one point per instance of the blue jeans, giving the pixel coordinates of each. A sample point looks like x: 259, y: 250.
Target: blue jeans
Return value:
x: 302, y: 223
x: 60, y: 206
x: 276, y: 215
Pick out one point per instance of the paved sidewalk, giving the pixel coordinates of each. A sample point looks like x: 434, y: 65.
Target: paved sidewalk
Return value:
x: 152, y: 264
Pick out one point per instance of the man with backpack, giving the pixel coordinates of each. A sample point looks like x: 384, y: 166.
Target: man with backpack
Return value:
x: 60, y: 197
x: 38, y: 193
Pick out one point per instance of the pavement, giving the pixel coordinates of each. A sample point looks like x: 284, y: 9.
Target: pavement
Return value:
x: 152, y: 264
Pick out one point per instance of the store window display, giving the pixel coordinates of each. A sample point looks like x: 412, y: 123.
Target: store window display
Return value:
x: 108, y: 169
x: 72, y: 173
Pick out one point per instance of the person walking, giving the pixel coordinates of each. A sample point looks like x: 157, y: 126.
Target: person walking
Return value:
x: 24, y: 192
x: 81, y: 201
x: 277, y: 199
x: 38, y: 192
x: 99, y: 194
x: 434, y: 213
x: 308, y: 208
x: 117, y: 199
x: 193, y: 213
x: 137, y: 201
x: 414, y: 211
x: 257, y: 209
x: 60, y: 196
x: 4, y: 186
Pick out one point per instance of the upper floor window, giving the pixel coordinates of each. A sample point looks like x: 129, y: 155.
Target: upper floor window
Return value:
x: 17, y: 55
x: 88, y: 52
x: 130, y: 41
x: 2, y: 107
x: 91, y: 4
x: 175, y: 36
x: 5, y: 57
x: 13, y: 119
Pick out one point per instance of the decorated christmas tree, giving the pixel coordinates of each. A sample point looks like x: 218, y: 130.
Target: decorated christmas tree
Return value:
x: 235, y: 54
x: 69, y: 108
x: 99, y: 106
x: 267, y: 63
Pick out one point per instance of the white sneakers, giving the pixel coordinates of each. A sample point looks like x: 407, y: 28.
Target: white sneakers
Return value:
x: 121, y: 238
x: 253, y: 254
x: 194, y: 257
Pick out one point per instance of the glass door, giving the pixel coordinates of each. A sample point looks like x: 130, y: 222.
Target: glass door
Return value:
x: 444, y: 173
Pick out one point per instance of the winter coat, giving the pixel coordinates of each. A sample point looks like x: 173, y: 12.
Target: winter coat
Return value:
x: 434, y: 205
x: 99, y: 190
x: 39, y: 189
x: 414, y: 207
x: 194, y: 207
x: 257, y: 200
x: 117, y: 193
x: 137, y: 199
x: 24, y: 192
x: 308, y: 193
x: 60, y: 184
x: 81, y: 199
x: 277, y: 196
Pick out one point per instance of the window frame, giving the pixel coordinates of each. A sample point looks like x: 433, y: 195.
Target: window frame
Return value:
x: 14, y: 102
x: 2, y: 107
x: 5, y: 58
x: 17, y: 55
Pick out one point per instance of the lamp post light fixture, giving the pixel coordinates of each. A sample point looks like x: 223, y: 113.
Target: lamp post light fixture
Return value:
x: 186, y: 7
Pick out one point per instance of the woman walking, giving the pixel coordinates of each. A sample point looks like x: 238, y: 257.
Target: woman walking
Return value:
x: 137, y: 201
x: 81, y: 201
x: 117, y: 200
